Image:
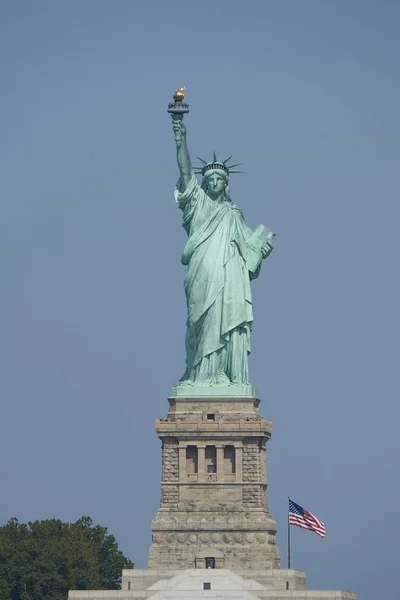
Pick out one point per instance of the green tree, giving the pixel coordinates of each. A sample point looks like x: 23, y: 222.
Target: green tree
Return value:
x: 45, y: 559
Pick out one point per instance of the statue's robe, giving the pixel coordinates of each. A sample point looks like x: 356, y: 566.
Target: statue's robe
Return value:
x: 217, y: 288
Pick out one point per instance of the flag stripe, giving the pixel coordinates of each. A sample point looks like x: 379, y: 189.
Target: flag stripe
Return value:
x: 304, y: 525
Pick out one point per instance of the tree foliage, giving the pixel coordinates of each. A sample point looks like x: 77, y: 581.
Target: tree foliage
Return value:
x: 44, y: 559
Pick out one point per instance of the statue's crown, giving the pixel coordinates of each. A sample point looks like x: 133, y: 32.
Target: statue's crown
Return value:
x: 215, y: 165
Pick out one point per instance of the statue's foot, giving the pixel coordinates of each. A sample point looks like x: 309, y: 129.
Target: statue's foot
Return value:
x: 222, y: 378
x: 185, y: 382
x: 185, y: 379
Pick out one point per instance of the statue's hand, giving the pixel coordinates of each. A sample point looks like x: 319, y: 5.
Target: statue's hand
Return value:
x: 179, y: 131
x: 266, y: 250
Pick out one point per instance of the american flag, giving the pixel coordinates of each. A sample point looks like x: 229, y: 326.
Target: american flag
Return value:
x: 300, y: 517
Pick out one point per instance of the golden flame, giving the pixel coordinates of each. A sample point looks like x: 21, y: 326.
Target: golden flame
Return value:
x: 179, y: 94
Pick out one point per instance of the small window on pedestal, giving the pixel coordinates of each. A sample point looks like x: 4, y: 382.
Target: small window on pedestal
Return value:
x: 211, y: 417
x: 229, y: 460
x: 191, y: 459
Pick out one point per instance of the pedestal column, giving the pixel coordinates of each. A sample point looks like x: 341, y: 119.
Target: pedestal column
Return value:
x: 239, y: 462
x: 220, y: 463
x: 182, y: 462
x: 201, y: 458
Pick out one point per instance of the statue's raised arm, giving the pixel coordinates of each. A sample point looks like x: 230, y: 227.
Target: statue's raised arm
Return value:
x: 183, y: 156
x: 177, y: 111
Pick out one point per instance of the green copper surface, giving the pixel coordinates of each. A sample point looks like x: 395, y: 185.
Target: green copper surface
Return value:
x: 222, y: 254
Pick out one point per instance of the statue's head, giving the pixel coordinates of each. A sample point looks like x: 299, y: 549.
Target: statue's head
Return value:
x: 215, y: 183
x: 216, y: 178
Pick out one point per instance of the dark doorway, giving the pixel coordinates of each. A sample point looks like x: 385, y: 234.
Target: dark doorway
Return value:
x: 210, y: 563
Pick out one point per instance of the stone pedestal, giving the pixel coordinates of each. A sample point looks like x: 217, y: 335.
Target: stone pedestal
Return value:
x: 214, y: 507
x: 213, y: 535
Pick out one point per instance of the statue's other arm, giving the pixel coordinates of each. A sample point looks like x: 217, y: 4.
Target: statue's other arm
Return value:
x: 183, y: 156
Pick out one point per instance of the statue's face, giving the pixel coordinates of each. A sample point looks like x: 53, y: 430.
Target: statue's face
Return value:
x: 216, y: 184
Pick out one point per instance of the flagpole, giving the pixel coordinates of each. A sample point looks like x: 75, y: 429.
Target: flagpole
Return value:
x: 288, y: 536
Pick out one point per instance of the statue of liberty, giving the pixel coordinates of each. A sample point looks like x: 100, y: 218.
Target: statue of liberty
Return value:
x: 223, y: 254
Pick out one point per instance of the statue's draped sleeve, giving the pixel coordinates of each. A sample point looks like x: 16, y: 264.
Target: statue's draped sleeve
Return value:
x: 187, y: 200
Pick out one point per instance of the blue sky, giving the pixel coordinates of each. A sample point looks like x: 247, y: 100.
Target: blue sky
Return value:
x: 92, y: 311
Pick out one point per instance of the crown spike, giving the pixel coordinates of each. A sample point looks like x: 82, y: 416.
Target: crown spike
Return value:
x: 233, y: 166
x: 226, y: 160
x: 215, y: 157
x: 201, y: 160
x: 235, y: 172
